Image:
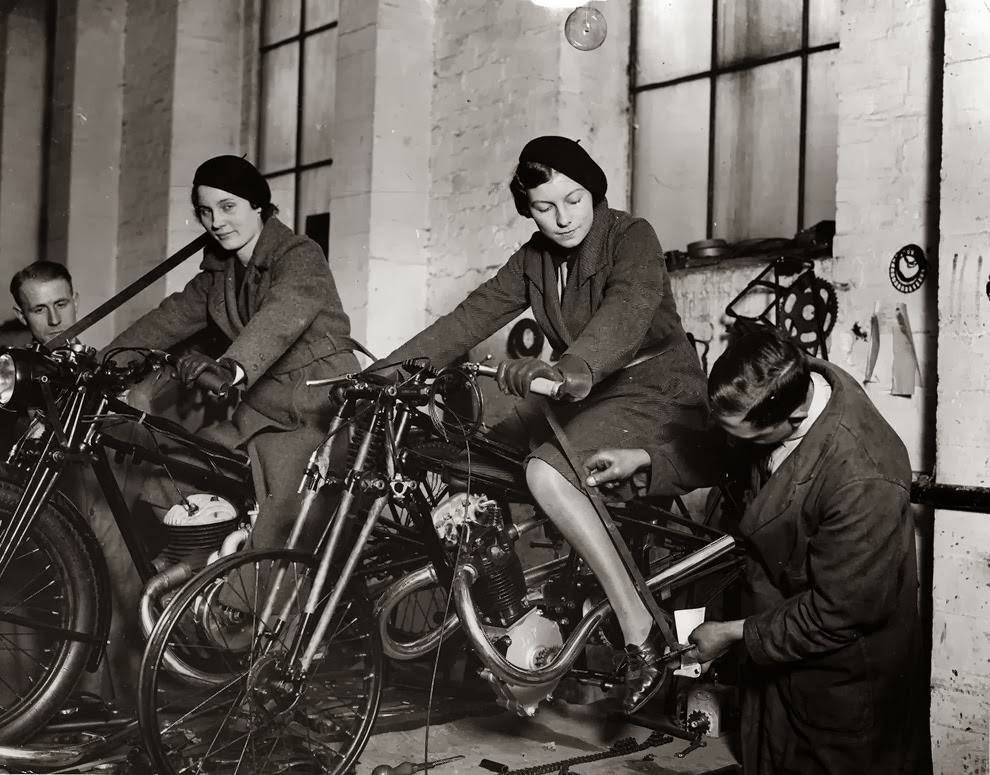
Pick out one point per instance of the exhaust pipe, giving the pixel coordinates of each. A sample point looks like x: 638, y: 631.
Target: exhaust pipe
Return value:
x: 426, y: 577
x: 169, y: 579
x: 554, y: 670
x: 63, y: 758
x: 423, y: 579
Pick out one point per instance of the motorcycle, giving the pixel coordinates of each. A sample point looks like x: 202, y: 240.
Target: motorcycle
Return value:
x: 288, y: 643
x: 55, y: 593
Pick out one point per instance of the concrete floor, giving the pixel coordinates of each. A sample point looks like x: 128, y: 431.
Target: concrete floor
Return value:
x: 559, y: 731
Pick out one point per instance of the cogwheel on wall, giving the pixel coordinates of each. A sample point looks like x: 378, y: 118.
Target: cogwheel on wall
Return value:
x: 807, y: 311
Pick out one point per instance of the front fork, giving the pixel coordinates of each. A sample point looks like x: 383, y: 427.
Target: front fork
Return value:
x: 45, y: 474
x: 379, y: 425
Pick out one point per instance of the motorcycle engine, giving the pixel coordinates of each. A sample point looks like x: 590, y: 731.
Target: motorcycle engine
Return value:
x: 532, y: 641
x: 526, y: 637
x: 199, y: 527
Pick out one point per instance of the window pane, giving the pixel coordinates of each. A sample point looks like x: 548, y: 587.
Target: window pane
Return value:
x: 749, y: 29
x: 319, y: 78
x: 821, y: 144
x: 756, y: 151
x: 823, y: 22
x: 320, y: 12
x: 279, y: 84
x: 670, y: 180
x: 314, y: 195
x: 673, y: 39
x: 281, y: 19
x: 284, y: 196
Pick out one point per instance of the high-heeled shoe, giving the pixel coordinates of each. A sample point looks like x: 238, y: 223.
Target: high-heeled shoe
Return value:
x: 645, y: 673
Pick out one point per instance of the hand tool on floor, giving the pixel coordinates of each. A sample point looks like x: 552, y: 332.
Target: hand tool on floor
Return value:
x: 623, y: 747
x: 408, y: 768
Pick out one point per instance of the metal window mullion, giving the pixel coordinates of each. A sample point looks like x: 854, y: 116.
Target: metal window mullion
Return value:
x: 259, y: 139
x: 738, y: 67
x: 300, y: 96
x: 710, y: 213
x: 311, y: 165
x: 803, y: 120
x: 633, y: 74
x: 297, y: 38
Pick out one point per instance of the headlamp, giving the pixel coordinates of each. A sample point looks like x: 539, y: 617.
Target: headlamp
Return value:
x: 21, y: 370
x: 8, y: 378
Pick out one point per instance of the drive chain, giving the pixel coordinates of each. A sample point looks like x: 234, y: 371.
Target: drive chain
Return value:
x: 623, y: 747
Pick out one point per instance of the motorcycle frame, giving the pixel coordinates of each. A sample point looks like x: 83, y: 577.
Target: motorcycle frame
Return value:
x: 394, y: 418
x: 75, y: 437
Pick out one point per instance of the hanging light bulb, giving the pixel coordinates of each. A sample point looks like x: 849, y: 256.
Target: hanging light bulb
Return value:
x: 585, y: 28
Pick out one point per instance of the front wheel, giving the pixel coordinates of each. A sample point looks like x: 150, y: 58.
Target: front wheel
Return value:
x: 244, y: 707
x: 48, y: 616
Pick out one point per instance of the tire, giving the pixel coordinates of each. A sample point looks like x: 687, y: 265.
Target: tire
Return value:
x: 50, y: 581
x: 253, y: 717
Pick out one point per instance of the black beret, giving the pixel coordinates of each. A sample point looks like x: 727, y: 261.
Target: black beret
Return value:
x: 568, y: 157
x: 236, y: 176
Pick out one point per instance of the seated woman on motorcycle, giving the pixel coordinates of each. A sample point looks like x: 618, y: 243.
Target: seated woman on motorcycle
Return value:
x: 271, y: 294
x: 595, y: 281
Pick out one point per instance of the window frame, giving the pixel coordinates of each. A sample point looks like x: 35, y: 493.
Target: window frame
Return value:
x: 264, y: 49
x: 712, y: 74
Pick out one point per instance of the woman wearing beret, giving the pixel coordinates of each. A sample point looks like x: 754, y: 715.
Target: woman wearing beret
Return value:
x: 595, y: 281
x: 271, y: 295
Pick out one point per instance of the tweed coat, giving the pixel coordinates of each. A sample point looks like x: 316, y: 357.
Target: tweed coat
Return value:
x: 617, y: 303
x: 285, y: 326
x: 294, y: 323
x: 832, y: 633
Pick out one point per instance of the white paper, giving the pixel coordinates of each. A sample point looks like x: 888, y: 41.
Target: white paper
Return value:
x: 685, y: 620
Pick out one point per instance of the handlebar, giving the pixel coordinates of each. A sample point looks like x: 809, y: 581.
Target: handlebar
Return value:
x: 541, y: 385
x: 214, y: 383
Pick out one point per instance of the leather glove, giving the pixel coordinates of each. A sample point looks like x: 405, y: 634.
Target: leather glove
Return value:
x: 191, y: 366
x: 515, y: 375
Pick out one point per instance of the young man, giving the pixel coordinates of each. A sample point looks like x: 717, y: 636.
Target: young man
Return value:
x: 830, y: 629
x: 44, y: 299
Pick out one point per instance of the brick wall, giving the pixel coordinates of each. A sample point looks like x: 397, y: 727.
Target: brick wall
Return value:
x: 22, y: 173
x: 961, y: 596
x: 85, y: 152
x: 504, y: 74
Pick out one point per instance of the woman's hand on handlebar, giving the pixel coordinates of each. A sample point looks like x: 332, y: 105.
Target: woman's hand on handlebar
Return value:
x: 199, y: 369
x: 514, y: 376
x: 614, y: 466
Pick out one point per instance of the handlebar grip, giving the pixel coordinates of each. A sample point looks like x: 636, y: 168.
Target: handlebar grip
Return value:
x: 546, y: 387
x: 215, y: 383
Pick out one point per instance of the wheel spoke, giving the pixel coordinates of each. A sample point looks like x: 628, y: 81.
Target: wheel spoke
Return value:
x: 266, y: 717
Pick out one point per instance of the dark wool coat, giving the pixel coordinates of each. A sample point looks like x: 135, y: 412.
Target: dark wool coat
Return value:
x: 833, y: 632
x: 285, y: 326
x: 617, y: 303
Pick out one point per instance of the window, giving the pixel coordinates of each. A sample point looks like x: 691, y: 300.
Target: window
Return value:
x: 735, y: 116
x: 295, y: 125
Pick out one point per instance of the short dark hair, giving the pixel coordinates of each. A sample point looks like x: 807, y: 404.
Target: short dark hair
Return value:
x: 529, y: 174
x: 39, y: 271
x: 762, y: 373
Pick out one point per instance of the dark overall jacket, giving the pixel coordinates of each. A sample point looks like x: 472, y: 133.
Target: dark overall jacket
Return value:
x: 832, y: 631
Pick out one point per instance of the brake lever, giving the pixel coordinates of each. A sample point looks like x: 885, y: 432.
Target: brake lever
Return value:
x: 330, y: 380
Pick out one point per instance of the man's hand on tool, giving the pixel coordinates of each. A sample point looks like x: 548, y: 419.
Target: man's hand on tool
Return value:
x: 712, y: 639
